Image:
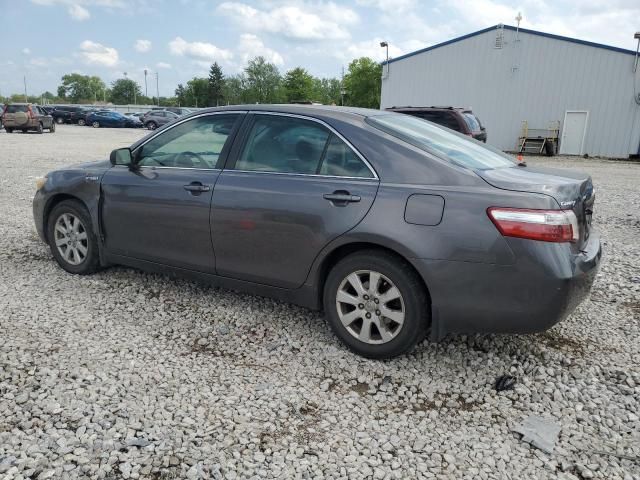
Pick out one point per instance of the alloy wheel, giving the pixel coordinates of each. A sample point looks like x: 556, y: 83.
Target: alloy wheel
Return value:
x: 71, y: 239
x: 370, y: 307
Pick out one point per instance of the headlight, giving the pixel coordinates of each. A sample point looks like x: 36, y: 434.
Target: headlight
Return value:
x: 40, y: 182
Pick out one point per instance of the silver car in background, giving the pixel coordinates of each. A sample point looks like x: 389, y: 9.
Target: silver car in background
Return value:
x: 156, y: 118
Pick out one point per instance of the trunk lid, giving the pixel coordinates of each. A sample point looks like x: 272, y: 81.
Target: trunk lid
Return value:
x: 572, y: 190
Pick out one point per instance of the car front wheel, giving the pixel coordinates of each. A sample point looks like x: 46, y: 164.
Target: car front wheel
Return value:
x: 376, y: 304
x: 40, y: 129
x: 52, y: 128
x: 151, y: 125
x: 59, y: 120
x: 95, y: 124
x: 71, y: 238
x: 81, y: 122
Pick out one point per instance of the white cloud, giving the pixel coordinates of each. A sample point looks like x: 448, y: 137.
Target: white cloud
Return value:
x: 97, y: 54
x: 163, y: 65
x: 388, y: 6
x: 201, y: 51
x: 142, y: 46
x: 328, y: 21
x: 251, y: 46
x: 78, y: 12
x: 26, y: 51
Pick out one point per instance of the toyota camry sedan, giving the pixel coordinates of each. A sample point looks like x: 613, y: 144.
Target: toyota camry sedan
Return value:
x: 396, y: 227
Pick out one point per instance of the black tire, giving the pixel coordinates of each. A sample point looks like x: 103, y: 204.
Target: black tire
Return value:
x: 9, y: 130
x: 52, y: 128
x: 151, y: 125
x: 40, y: 129
x: 82, y: 122
x: 59, y: 120
x: 95, y: 124
x: 406, y: 280
x: 91, y: 262
x: 25, y: 130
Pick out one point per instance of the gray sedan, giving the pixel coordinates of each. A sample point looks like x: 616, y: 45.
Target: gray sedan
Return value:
x: 396, y: 227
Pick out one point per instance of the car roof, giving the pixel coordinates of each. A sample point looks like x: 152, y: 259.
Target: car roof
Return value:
x: 315, y: 111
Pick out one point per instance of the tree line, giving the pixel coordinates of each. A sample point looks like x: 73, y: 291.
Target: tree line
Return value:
x: 259, y: 82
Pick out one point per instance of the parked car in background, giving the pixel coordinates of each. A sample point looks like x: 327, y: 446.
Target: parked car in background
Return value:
x: 397, y: 227
x: 461, y: 120
x: 69, y: 114
x: 177, y: 110
x: 132, y: 121
x: 156, y: 118
x: 137, y: 115
x: 25, y: 117
x: 106, y: 118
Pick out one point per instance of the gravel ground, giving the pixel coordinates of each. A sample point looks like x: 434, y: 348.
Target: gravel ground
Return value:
x: 129, y: 375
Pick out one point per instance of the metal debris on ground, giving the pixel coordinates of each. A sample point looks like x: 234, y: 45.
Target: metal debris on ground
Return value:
x: 505, y: 382
x: 540, y: 432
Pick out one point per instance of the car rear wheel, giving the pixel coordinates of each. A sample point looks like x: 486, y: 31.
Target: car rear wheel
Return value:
x: 82, y: 122
x: 9, y: 130
x: 152, y: 125
x: 40, y: 129
x: 71, y: 238
x: 25, y: 130
x: 95, y: 124
x: 59, y: 120
x: 376, y: 304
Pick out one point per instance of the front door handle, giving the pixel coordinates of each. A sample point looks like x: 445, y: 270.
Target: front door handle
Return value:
x: 196, y: 187
x: 341, y: 197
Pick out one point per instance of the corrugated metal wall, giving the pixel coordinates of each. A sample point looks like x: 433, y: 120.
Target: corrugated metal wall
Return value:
x: 535, y: 79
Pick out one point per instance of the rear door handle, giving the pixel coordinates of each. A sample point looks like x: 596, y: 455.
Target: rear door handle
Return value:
x: 340, y: 197
x: 197, y: 187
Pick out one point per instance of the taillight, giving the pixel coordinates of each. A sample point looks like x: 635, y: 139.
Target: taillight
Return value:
x: 543, y: 225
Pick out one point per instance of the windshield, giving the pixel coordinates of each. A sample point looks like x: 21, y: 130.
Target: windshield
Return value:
x: 441, y: 142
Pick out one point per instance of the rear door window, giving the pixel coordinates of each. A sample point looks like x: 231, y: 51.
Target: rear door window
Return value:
x: 284, y: 145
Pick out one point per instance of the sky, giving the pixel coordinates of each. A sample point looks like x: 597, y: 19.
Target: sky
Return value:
x: 180, y: 39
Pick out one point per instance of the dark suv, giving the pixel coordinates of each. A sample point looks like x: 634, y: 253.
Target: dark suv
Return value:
x: 69, y: 114
x: 459, y: 119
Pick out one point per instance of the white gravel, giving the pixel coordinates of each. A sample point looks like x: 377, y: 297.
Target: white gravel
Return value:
x: 129, y: 375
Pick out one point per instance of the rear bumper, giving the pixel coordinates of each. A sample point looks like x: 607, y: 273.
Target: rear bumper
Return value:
x: 544, y: 286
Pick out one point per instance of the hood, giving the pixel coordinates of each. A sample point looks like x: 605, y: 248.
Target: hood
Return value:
x: 95, y: 166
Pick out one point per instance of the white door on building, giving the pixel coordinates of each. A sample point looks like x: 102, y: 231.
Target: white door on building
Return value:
x: 573, y: 132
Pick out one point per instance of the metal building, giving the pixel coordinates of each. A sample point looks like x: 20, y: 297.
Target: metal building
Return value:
x: 509, y: 76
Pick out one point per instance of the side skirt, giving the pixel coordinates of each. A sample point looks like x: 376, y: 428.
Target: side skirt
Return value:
x: 304, y: 296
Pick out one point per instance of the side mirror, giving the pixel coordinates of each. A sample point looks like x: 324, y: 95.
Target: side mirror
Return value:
x: 121, y: 156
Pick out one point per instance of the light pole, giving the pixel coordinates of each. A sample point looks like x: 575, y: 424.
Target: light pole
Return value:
x: 386, y: 45
x: 157, y: 88
x: 146, y: 92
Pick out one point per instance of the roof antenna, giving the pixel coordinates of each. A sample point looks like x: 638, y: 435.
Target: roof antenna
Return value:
x: 518, y: 19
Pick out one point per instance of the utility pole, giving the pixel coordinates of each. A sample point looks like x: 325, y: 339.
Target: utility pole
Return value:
x: 24, y: 78
x: 158, y: 88
x: 342, y: 90
x: 146, y: 92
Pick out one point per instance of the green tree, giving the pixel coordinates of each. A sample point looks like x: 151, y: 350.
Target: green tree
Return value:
x: 326, y: 91
x: 216, y: 86
x: 298, y: 85
x: 362, y: 83
x: 181, y: 95
x: 197, y: 92
x: 234, y: 90
x: 124, y: 91
x: 80, y: 88
x: 263, y: 82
